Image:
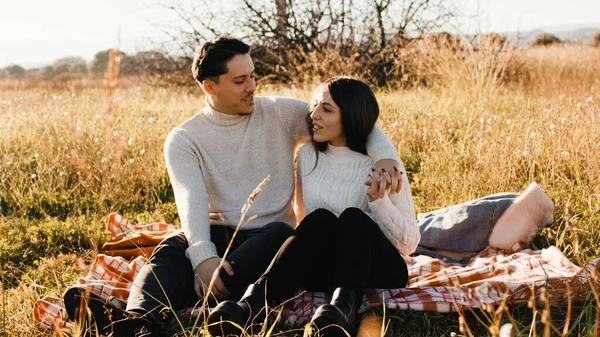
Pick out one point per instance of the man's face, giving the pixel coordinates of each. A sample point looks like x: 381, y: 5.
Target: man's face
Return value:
x: 234, y: 94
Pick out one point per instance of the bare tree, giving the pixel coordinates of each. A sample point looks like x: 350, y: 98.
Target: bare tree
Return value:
x: 305, y: 23
x: 281, y: 17
x: 422, y: 16
x: 295, y: 33
x: 380, y: 7
x: 191, y: 23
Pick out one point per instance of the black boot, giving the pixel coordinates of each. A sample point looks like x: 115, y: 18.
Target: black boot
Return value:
x: 336, y: 319
x: 231, y: 319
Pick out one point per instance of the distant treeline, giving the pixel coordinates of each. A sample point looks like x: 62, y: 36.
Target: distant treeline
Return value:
x: 150, y: 64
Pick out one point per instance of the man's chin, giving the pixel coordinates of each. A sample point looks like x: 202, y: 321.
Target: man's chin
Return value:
x: 247, y: 110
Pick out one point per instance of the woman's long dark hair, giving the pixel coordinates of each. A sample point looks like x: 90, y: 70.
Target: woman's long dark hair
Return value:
x: 359, y: 109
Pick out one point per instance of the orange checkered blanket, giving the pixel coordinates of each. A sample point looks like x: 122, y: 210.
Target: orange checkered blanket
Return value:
x: 491, y: 278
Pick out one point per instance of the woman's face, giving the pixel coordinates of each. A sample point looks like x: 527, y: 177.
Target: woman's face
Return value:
x: 326, y: 119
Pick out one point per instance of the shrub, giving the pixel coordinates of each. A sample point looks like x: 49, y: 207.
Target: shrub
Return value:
x: 155, y: 66
x: 99, y: 63
x: 14, y: 70
x: 596, y: 39
x: 70, y: 64
x: 546, y: 39
x: 445, y: 40
x: 493, y: 39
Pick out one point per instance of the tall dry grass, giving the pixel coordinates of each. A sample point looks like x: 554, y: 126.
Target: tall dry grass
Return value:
x: 562, y: 67
x: 482, y: 121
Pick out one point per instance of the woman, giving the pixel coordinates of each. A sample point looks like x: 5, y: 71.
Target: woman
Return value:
x: 353, y: 236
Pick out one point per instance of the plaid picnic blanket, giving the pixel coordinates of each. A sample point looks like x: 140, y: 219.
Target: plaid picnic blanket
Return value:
x: 491, y: 278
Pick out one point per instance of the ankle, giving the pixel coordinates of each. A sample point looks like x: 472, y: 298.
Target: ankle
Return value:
x: 254, y: 299
x: 345, y: 297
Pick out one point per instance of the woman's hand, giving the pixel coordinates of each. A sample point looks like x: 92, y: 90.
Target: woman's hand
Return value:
x: 393, y: 176
x: 376, y: 186
x: 380, y: 180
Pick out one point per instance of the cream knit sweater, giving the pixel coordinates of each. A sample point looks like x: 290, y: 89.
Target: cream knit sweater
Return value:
x: 216, y: 160
x: 337, y: 182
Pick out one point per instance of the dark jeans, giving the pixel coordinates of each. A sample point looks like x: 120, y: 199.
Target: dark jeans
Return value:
x: 327, y: 252
x: 167, y: 279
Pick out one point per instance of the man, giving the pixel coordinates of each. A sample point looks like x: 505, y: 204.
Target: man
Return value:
x: 215, y: 160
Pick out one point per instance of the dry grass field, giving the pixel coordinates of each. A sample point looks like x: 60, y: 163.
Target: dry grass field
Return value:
x: 67, y: 160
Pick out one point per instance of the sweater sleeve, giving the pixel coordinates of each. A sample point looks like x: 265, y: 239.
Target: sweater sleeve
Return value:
x: 183, y: 165
x: 395, y: 215
x: 379, y: 146
x: 293, y: 114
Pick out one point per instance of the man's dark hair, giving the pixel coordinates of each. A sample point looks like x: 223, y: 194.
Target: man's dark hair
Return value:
x: 213, y: 55
x: 359, y: 109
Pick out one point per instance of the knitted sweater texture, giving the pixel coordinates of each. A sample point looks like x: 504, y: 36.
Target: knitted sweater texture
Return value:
x: 216, y: 160
x: 337, y: 183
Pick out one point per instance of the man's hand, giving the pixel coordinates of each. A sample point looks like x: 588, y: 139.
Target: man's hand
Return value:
x: 386, y: 174
x: 208, y: 270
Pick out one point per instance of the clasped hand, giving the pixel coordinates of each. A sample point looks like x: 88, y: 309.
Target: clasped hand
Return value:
x: 208, y: 270
x: 385, y: 175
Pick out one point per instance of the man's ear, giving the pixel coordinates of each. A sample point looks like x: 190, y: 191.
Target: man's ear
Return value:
x: 208, y: 87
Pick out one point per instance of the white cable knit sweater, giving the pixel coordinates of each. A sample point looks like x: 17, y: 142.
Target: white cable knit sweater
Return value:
x: 216, y: 160
x: 337, y: 182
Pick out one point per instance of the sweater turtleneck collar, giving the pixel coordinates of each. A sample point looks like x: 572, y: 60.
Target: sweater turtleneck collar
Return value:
x: 341, y: 151
x: 223, y: 119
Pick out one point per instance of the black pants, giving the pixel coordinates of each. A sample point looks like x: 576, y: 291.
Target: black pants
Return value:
x: 167, y: 280
x: 327, y: 252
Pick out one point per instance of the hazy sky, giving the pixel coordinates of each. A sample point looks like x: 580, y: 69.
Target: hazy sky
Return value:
x: 523, y: 15
x: 37, y: 32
